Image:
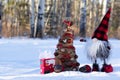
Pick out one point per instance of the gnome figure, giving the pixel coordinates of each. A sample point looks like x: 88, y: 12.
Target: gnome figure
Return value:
x: 65, y: 55
x: 100, y: 47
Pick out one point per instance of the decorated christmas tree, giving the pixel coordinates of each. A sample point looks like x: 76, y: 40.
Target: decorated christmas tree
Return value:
x: 65, y: 55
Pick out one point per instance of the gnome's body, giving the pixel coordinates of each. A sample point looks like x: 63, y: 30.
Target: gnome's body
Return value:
x: 99, y: 50
x: 100, y: 47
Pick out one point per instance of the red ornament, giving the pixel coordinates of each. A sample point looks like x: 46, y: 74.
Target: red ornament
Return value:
x: 69, y: 40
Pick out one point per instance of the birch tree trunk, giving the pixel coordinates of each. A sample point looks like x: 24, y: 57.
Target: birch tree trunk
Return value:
x: 68, y: 9
x: 83, y: 19
x: 96, y: 13
x: 112, y: 7
x: 40, y: 19
x: 32, y: 17
x: 104, y: 7
x: 76, y: 12
x: 89, y: 18
x: 0, y: 19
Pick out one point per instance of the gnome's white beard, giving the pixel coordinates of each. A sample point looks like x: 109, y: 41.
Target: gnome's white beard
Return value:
x: 98, y: 49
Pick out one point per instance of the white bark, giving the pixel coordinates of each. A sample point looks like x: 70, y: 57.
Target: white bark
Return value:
x: 83, y: 18
x: 0, y: 18
x: 32, y: 17
x: 104, y: 7
x: 40, y: 17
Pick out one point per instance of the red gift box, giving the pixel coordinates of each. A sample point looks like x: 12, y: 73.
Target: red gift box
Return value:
x: 47, y: 65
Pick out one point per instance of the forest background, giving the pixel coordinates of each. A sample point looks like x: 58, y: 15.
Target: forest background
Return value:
x: 44, y: 18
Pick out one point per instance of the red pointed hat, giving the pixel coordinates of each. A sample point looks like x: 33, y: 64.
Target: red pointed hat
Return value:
x: 101, y: 32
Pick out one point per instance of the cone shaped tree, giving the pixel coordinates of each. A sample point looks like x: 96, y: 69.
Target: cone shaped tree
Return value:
x: 65, y: 55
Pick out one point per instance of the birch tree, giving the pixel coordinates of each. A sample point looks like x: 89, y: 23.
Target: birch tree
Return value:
x: 68, y: 9
x: 89, y: 17
x: 83, y: 18
x: 32, y: 17
x: 40, y: 19
x: 51, y: 20
x: 104, y: 7
x: 0, y: 19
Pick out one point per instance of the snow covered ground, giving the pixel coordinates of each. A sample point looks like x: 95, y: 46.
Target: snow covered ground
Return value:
x: 19, y: 60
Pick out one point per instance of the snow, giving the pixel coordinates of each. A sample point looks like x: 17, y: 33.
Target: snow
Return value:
x: 19, y: 60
